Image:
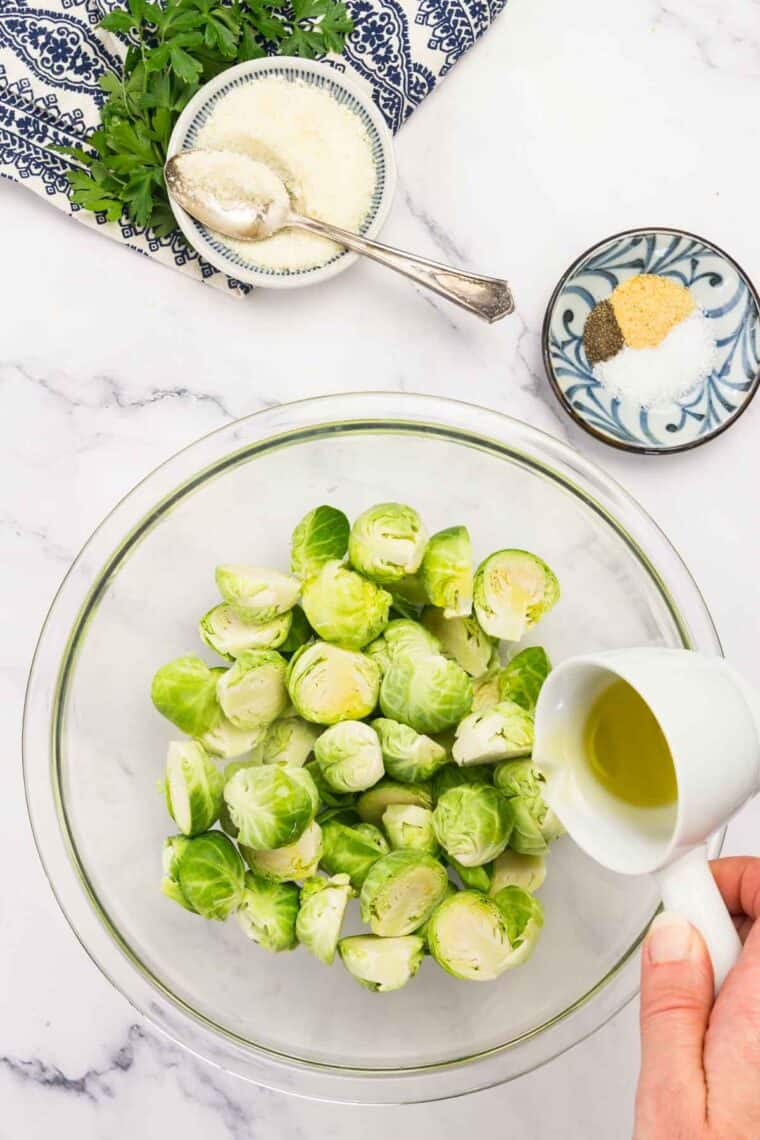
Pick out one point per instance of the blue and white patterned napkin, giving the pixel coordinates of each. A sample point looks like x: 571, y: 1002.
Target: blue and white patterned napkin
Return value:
x: 52, y: 53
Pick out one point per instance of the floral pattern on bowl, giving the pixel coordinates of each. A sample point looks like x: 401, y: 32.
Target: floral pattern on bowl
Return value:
x: 725, y: 295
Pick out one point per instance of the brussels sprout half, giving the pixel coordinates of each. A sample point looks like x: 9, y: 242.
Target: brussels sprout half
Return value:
x: 371, y: 805
x: 387, y: 542
x: 290, y: 741
x: 485, y: 688
x: 321, y: 536
x: 447, y: 573
x: 521, y: 679
x: 328, y: 684
x: 268, y: 913
x: 461, y: 639
x: 343, y: 607
x: 514, y: 870
x: 410, y: 827
x: 400, y: 892
x: 256, y: 593
x: 502, y: 732
x: 523, y: 917
x: 513, y: 589
x: 321, y: 914
x: 193, y: 787
x: 429, y: 693
x: 211, y: 875
x: 349, y: 756
x: 173, y: 849
x: 292, y: 863
x: 467, y: 936
x: 351, y: 850
x: 252, y: 693
x: 382, y: 964
x: 229, y: 635
x: 473, y: 823
x: 452, y: 776
x: 271, y: 805
x: 184, y: 691
x: 408, y: 756
x: 476, y: 878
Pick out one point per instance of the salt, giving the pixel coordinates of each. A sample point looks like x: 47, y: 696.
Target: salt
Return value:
x: 656, y: 376
x: 317, y: 145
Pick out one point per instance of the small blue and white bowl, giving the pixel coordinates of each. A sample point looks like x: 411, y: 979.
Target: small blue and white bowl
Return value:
x: 722, y: 291
x: 184, y: 136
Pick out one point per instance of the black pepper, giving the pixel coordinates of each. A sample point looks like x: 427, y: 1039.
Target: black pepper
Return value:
x: 602, y: 338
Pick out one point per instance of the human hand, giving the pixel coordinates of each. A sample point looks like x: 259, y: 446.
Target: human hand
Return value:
x: 700, y: 1062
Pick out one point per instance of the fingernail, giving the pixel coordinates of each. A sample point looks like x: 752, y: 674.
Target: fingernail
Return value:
x: 670, y: 939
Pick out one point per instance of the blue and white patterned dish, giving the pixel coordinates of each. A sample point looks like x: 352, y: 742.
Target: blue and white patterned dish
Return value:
x: 197, y: 112
x: 723, y: 292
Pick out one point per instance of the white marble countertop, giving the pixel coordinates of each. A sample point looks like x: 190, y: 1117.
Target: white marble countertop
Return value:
x: 568, y: 122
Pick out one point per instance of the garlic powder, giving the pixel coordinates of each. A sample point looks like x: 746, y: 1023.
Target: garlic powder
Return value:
x: 317, y: 145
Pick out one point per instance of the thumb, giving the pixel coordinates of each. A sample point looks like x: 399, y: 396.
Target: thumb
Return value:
x: 676, y: 999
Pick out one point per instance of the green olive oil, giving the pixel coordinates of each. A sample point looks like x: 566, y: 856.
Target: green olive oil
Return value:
x: 626, y: 749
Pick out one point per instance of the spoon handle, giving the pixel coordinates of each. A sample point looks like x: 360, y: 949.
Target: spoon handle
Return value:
x: 487, y: 297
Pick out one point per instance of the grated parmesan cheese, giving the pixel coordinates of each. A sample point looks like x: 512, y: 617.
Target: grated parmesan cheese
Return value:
x: 318, y: 146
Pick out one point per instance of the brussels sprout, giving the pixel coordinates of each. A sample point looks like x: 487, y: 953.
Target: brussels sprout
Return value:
x: 328, y: 684
x: 344, y: 607
x: 422, y: 931
x: 523, y: 917
x: 351, y: 850
x: 410, y: 826
x: 499, y: 733
x: 402, y: 637
x: 289, y: 740
x: 321, y: 914
x: 349, y: 756
x: 193, y: 787
x: 387, y: 542
x: 523, y: 785
x: 452, y: 776
x: 476, y: 878
x: 371, y: 805
x: 381, y: 964
x: 174, y: 847
x: 300, y: 632
x: 328, y: 798
x: 527, y: 837
x: 408, y: 756
x: 321, y: 536
x: 271, y: 805
x: 297, y: 860
x: 252, y: 692
x: 377, y: 651
x: 229, y: 635
x: 446, y: 571
x: 513, y: 589
x: 513, y: 870
x: 485, y: 688
x: 409, y: 596
x: 521, y: 680
x: 467, y: 936
x: 519, y: 778
x: 473, y: 823
x: 184, y: 691
x: 461, y: 639
x: 551, y: 826
x: 229, y: 771
x: 400, y: 892
x: 255, y: 593
x: 429, y: 693
x: 226, y: 741
x: 268, y: 913
x: 373, y: 833
x: 211, y: 875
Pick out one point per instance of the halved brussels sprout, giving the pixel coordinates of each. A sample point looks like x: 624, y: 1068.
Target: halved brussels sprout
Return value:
x: 519, y: 778
x: 255, y: 593
x: 387, y: 542
x: 400, y: 892
x: 328, y: 684
x: 522, y: 783
x: 351, y: 850
x: 521, y: 679
x: 408, y: 756
x: 344, y: 607
x: 485, y: 688
x: 173, y: 849
x: 527, y: 837
x: 184, y: 691
x: 476, y: 878
x: 467, y: 936
x: 349, y: 756
x: 321, y: 536
x: 271, y: 805
x: 461, y: 639
x: 452, y: 776
x: 381, y: 964
x: 295, y: 861
x: 252, y: 692
x: 409, y: 826
x: 230, y: 769
x: 514, y: 870
x: 402, y: 637
x: 513, y: 589
x: 500, y: 733
x: 473, y: 823
x: 524, y: 917
x: 226, y: 741
x: 193, y: 787
x: 446, y: 571
x: 321, y: 914
x: 371, y: 805
x: 289, y: 740
x: 552, y: 826
x: 429, y: 693
x: 229, y: 635
x: 268, y: 913
x: 409, y: 595
x: 211, y: 875
x: 300, y: 632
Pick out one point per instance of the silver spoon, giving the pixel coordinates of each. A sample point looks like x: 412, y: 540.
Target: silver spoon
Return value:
x: 242, y: 198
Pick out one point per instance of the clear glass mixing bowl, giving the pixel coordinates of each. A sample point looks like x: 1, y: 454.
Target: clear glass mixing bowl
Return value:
x: 94, y: 747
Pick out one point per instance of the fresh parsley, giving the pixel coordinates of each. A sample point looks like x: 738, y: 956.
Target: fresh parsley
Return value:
x: 175, y: 46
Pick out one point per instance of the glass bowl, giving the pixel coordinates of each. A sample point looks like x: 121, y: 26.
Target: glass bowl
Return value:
x: 94, y: 747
